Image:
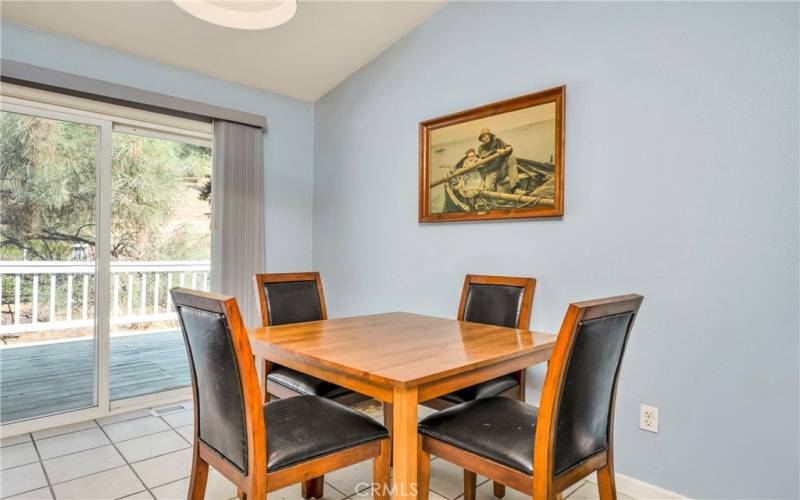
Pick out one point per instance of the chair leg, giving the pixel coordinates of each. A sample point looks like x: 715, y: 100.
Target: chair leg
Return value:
x: 423, y: 471
x: 381, y: 465
x: 199, y: 479
x: 313, y: 487
x: 240, y: 494
x: 470, y: 484
x: 499, y: 490
x: 605, y: 482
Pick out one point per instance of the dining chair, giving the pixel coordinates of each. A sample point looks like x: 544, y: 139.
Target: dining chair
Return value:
x: 263, y: 447
x: 285, y: 298
x: 542, y: 451
x: 500, y: 301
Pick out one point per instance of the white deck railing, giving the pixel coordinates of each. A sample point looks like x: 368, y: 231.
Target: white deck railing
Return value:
x: 139, y: 292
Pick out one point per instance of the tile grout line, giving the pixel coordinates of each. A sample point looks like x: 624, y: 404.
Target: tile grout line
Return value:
x: 379, y: 418
x: 461, y: 495
x: 90, y: 474
x: 123, y: 465
x: 33, y: 441
x: 96, y: 448
x: 129, y: 464
x: 18, y: 465
x: 580, y: 484
x: 143, y: 491
x: 161, y: 455
x: 4, y: 438
x: 41, y: 464
x: 167, y: 483
x: 176, y: 428
x: 103, y: 470
x: 344, y: 495
x: 146, y: 488
x: 69, y: 432
x: 96, y: 421
x: 105, y: 444
x: 191, y: 445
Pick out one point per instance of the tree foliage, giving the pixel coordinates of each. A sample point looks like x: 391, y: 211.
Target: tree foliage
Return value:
x: 48, y: 193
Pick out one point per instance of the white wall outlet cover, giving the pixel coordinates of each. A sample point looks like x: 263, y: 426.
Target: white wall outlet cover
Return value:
x: 648, y: 418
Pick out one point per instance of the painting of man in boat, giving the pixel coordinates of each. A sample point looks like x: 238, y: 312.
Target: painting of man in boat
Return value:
x: 503, y: 160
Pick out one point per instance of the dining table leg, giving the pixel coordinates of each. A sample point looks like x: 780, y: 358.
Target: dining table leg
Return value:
x: 404, y: 442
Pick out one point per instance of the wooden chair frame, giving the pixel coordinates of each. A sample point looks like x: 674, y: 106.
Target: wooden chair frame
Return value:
x: 529, y: 286
x: 272, y: 388
x: 543, y: 484
x: 263, y: 279
x: 257, y: 482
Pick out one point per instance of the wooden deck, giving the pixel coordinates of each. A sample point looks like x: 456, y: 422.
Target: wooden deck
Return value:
x: 52, y: 378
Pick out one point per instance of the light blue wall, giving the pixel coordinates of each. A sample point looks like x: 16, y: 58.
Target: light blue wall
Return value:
x: 681, y: 184
x: 288, y: 143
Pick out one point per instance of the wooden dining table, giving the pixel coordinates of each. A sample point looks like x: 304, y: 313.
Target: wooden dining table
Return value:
x: 400, y: 359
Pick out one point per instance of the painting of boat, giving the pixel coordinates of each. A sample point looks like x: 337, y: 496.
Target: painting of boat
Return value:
x: 504, y: 160
x: 535, y: 188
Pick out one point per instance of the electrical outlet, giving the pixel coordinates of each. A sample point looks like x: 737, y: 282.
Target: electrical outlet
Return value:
x: 648, y: 418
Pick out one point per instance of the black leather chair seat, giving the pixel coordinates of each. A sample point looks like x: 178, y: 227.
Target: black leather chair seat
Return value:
x: 305, y: 384
x: 487, y: 389
x: 306, y: 427
x: 498, y: 428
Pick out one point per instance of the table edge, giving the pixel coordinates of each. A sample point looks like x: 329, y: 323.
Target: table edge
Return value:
x: 266, y: 347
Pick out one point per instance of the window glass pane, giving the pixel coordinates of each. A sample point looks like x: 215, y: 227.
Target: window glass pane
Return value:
x: 160, y: 239
x: 47, y: 265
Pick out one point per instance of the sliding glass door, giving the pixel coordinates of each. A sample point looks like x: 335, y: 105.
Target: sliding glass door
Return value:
x: 160, y: 238
x: 49, y: 164
x: 99, y: 218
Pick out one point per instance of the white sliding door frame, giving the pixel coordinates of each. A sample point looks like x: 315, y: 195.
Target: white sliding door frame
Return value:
x: 17, y: 99
x: 103, y: 238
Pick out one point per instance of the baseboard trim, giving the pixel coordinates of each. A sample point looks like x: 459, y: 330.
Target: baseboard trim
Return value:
x: 639, y: 489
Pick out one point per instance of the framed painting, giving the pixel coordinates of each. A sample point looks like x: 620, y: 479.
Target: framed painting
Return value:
x: 500, y: 161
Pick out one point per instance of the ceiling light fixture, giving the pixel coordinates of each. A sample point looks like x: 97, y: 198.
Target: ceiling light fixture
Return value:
x: 241, y: 14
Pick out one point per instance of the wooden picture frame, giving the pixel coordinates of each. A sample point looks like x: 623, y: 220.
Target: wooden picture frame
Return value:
x: 490, y: 181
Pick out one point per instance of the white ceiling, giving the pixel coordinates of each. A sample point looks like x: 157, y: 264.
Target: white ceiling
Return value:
x: 322, y: 45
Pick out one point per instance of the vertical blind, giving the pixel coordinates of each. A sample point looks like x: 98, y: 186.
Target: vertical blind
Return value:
x: 237, y: 250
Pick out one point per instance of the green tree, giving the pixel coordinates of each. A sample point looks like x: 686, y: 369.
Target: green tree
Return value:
x: 47, y: 168
x: 48, y: 193
x: 150, y: 181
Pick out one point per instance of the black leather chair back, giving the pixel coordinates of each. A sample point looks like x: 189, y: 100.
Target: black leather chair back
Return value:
x: 292, y: 302
x: 499, y: 305
x: 218, y: 387
x: 587, y: 398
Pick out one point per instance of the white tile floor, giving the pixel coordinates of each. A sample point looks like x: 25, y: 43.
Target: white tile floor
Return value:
x: 140, y: 456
